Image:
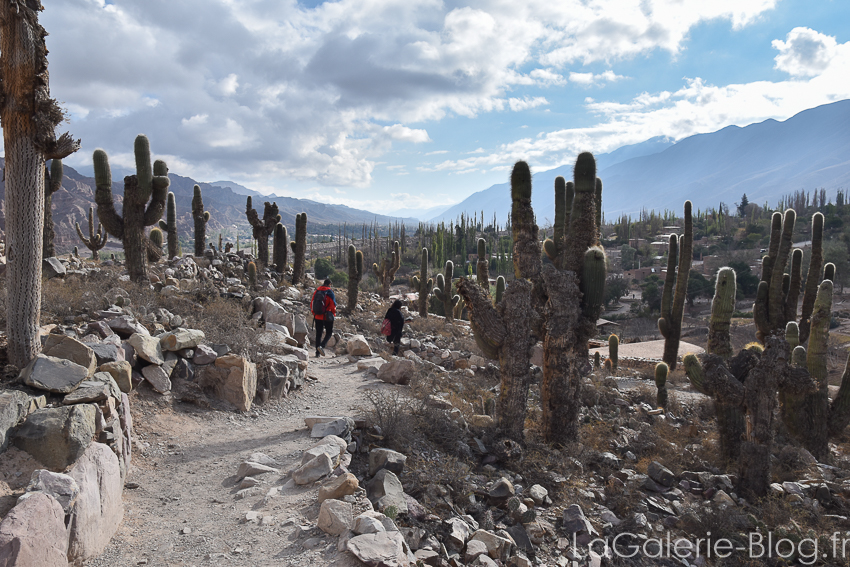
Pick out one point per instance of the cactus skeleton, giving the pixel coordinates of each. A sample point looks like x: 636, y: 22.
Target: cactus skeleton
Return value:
x: 201, y: 218
x: 96, y: 240
x: 144, y: 202
x: 263, y: 228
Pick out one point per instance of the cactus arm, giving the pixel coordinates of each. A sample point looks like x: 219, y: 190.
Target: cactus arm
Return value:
x: 487, y: 325
x: 56, y: 174
x: 829, y: 272
x: 839, y: 410
x: 500, y: 289
x: 776, y: 299
x: 812, y: 277
x: 792, y: 335
x: 592, y: 283
x: 158, y: 193
x: 722, y: 307
x: 582, y: 232
x: 106, y: 213
x: 686, y: 255
x: 144, y: 171
x: 526, y: 246
x: 483, y: 266
x: 669, y: 285
x: 560, y: 213
x: 760, y: 315
x: 795, y: 285
x: 598, y: 204
x: 569, y: 195
x: 613, y: 350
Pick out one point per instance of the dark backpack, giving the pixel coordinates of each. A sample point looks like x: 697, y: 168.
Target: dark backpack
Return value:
x: 319, y: 299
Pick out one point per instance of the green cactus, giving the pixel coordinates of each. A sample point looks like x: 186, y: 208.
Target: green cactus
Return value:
x: 170, y: 226
x: 299, y: 248
x: 201, y: 218
x: 220, y: 248
x: 262, y: 229
x: 829, y: 272
x: 816, y: 264
x: 355, y: 274
x: 776, y: 299
x: 52, y: 183
x: 385, y: 273
x: 673, y: 302
x: 661, y: 397
x: 592, y: 284
x: 500, y: 289
x: 722, y: 308
x: 153, y: 245
x: 443, y: 291
x: 483, y: 266
x: 144, y: 202
x: 613, y: 351
x: 280, y: 252
x: 423, y: 286
x: 597, y: 360
x: 252, y: 275
x: 75, y: 253
x: 96, y: 240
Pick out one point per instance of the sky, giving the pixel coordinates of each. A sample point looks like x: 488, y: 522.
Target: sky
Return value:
x: 391, y: 104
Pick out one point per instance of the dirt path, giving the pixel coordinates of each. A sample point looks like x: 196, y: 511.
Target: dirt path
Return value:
x: 185, y: 512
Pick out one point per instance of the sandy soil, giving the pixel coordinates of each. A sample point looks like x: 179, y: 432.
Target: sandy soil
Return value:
x: 184, y: 510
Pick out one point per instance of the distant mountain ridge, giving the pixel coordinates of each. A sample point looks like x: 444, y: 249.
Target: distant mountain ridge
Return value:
x: 810, y: 150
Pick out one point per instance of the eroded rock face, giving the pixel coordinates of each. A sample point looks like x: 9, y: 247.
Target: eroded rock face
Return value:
x: 33, y: 533
x: 57, y: 437
x: 99, y: 509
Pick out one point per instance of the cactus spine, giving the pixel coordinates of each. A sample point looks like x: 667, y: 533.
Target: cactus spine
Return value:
x: 613, y: 351
x: 263, y: 228
x: 144, y: 202
x: 672, y: 305
x: 280, y: 252
x: 355, y: 274
x: 661, y: 397
x: 96, y: 240
x: 422, y: 284
x: 443, y: 291
x: 170, y: 226
x: 52, y: 183
x: 252, y: 275
x: 299, y: 247
x: 201, y: 218
x: 385, y: 273
x: 482, y: 271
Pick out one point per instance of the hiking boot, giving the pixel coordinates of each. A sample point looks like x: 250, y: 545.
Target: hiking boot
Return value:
x: 321, y: 350
x: 317, y: 353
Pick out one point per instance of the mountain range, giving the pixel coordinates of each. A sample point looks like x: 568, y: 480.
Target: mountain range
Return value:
x: 810, y: 150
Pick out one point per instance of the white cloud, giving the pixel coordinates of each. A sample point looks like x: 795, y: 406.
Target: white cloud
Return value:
x: 518, y: 104
x: 805, y: 53
x: 305, y: 93
x: 588, y: 79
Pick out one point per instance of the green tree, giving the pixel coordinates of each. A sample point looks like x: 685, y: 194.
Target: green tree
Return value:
x: 324, y: 268
x: 742, y: 206
x: 748, y: 282
x: 836, y: 252
x: 651, y: 293
x: 627, y: 257
x: 615, y: 288
x: 698, y: 286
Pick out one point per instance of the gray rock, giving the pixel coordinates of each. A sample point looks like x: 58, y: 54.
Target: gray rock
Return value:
x: 388, y: 459
x: 313, y: 470
x: 204, y: 355
x: 60, y: 486
x: 147, y: 348
x: 501, y: 491
x: 247, y: 468
x: 87, y: 392
x: 397, y: 371
x: 538, y: 494
x: 57, y: 437
x: 357, y: 345
x: 121, y: 372
x: 13, y: 408
x: 335, y: 517
x: 385, y: 490
x: 56, y: 375
x: 661, y: 474
x: 340, y: 427
x: 574, y: 521
x: 99, y: 509
x: 69, y: 348
x: 52, y: 268
x: 33, y: 533
x: 384, y: 549
x: 125, y: 326
x: 233, y: 379
x: 180, y: 339
x: 106, y: 352
x: 157, y: 378
x: 459, y: 533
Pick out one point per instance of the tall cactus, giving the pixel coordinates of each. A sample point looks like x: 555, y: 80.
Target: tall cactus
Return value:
x: 280, y: 253
x: 52, y: 183
x: 613, y: 351
x: 773, y: 302
x: 355, y: 274
x: 422, y: 284
x: 96, y: 240
x: 263, y: 228
x: 170, y: 226
x: 299, y: 247
x: 443, y: 291
x: 500, y: 289
x: 144, y: 202
x: 673, y: 304
x: 482, y: 271
x: 201, y: 218
x: 812, y: 277
x: 385, y: 273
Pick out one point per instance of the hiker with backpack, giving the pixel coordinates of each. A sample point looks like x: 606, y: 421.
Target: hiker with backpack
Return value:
x: 323, y: 307
x: 396, y: 325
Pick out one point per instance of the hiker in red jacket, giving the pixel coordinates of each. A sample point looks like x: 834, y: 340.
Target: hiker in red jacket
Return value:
x: 324, y: 311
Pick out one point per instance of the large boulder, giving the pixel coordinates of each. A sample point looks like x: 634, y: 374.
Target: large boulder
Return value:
x: 147, y: 348
x: 335, y: 517
x: 339, y: 487
x: 397, y: 371
x: 69, y: 348
x: 99, y: 509
x: 313, y: 470
x: 122, y: 372
x: 383, y: 549
x: 57, y: 437
x: 282, y: 374
x: 180, y: 339
x: 60, y: 486
x: 157, y: 377
x: 33, y: 533
x: 233, y: 379
x: 14, y: 405
x: 357, y: 345
x: 273, y: 312
x: 385, y: 490
x: 57, y: 375
x: 380, y: 458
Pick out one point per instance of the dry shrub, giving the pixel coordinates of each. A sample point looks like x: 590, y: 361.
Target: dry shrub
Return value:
x: 393, y: 414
